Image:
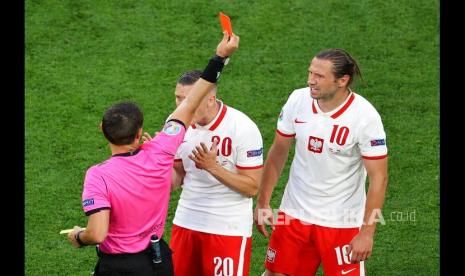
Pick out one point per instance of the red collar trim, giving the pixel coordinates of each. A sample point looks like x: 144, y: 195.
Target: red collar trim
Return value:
x: 219, y: 119
x: 340, y: 111
x: 344, y: 107
x: 314, y: 107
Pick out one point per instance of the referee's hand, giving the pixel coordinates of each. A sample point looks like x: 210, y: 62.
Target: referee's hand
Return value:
x: 262, y: 216
x: 227, y: 45
x: 72, y: 236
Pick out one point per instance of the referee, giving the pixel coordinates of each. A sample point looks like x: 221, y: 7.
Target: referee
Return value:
x: 126, y: 197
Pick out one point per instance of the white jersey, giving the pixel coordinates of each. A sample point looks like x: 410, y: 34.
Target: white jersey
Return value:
x: 206, y: 204
x: 326, y: 184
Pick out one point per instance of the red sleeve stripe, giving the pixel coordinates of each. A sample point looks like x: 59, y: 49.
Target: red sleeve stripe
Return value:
x: 284, y: 134
x: 374, y: 157
x: 249, y: 168
x: 177, y: 160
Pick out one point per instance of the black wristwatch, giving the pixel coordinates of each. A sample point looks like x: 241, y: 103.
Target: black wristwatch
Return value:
x: 78, y: 239
x: 223, y: 60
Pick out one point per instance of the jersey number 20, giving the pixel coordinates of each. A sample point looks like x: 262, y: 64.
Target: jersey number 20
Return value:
x: 224, y: 267
x: 224, y: 145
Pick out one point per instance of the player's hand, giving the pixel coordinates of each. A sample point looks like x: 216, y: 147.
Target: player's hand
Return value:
x: 262, y: 216
x: 72, y: 236
x: 360, y: 247
x: 227, y: 45
x: 204, y: 158
x: 146, y: 137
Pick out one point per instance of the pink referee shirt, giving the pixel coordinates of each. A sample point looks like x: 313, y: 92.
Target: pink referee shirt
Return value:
x: 135, y: 187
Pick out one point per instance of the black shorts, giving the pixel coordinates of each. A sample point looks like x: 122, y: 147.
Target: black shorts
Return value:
x: 135, y: 263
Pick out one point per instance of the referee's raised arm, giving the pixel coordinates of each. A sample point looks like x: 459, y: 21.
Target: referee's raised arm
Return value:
x: 185, y: 111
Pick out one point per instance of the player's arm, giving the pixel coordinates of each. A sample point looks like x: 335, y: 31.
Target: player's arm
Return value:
x: 274, y: 164
x: 95, y: 232
x: 178, y: 175
x: 185, y: 111
x: 362, y: 244
x: 244, y: 182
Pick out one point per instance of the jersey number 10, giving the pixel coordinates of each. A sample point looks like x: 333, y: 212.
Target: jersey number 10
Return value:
x: 341, y: 255
x: 342, y: 134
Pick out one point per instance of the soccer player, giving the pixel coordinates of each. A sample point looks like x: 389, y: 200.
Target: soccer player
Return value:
x: 126, y: 196
x: 220, y: 164
x: 325, y: 216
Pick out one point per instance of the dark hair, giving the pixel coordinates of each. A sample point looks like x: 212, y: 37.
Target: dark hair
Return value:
x: 343, y: 63
x: 121, y: 122
x: 189, y: 77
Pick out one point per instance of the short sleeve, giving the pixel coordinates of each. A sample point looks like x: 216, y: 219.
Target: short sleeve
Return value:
x: 177, y: 156
x: 95, y: 193
x: 285, y: 125
x: 372, y: 138
x: 168, y: 140
x: 250, y: 148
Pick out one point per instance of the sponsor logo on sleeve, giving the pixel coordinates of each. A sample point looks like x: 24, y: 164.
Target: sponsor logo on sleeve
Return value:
x: 253, y: 153
x: 377, y: 142
x: 270, y: 255
x: 88, y: 202
x: 172, y: 128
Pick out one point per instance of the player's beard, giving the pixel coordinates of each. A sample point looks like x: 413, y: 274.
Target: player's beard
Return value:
x: 321, y: 95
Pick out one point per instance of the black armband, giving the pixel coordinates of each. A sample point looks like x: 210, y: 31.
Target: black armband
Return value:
x: 78, y: 239
x: 214, y: 67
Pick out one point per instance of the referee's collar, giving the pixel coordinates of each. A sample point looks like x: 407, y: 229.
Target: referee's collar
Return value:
x: 129, y: 153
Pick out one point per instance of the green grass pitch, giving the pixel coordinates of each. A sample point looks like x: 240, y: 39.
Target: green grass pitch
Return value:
x: 82, y: 56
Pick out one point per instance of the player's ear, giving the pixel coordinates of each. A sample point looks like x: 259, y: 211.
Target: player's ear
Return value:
x: 344, y: 81
x: 212, y: 95
x: 100, y: 126
x: 211, y: 100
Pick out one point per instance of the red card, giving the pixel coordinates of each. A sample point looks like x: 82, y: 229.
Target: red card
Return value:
x: 225, y: 23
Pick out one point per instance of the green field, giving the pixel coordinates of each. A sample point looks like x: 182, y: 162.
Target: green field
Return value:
x: 83, y: 56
